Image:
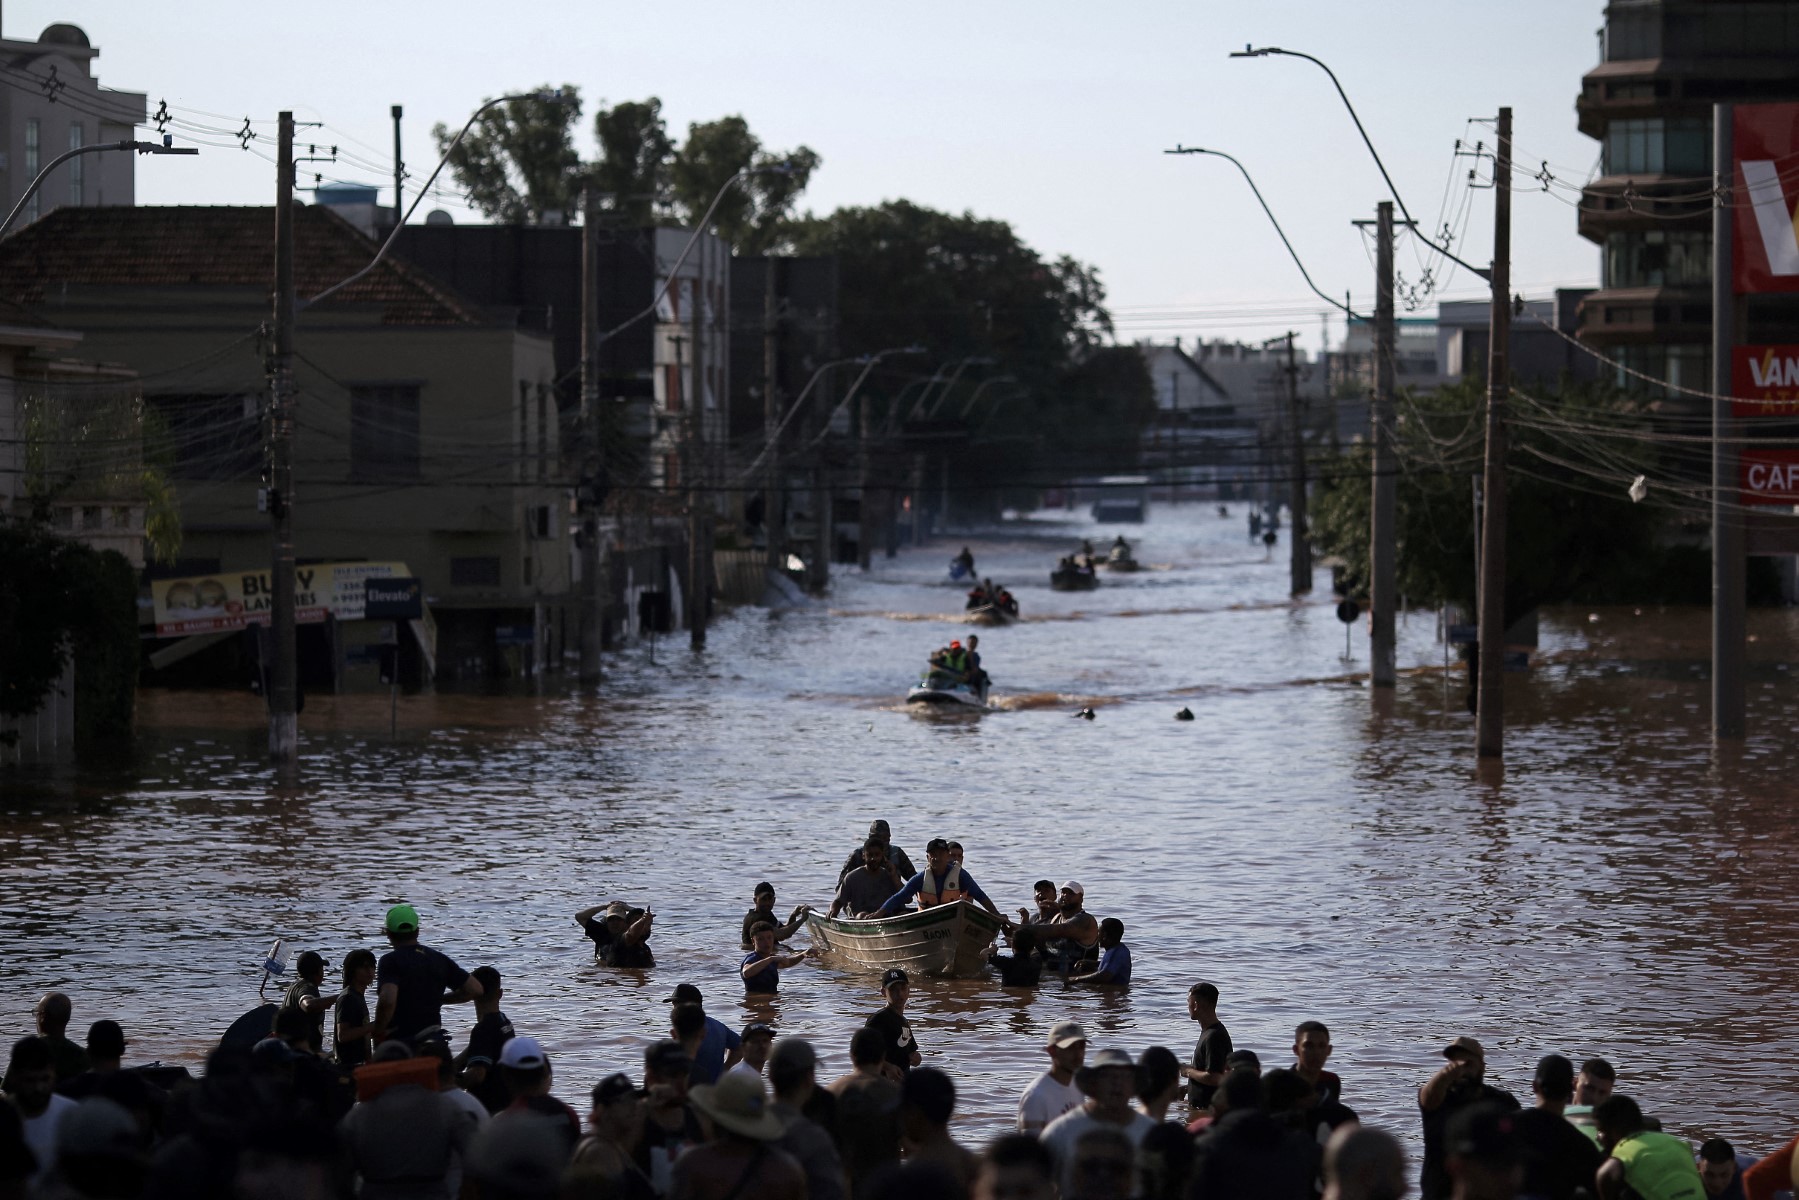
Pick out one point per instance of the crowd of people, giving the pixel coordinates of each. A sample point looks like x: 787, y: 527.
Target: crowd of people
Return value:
x: 326, y: 1097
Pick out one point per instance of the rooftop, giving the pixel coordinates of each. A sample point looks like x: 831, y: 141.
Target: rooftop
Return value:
x: 220, y: 246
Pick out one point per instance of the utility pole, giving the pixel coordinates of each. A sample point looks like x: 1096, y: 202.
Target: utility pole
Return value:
x: 1729, y: 703
x: 1383, y: 591
x: 399, y: 169
x: 700, y: 532
x: 864, y: 482
x: 1490, y: 640
x: 593, y: 588
x: 773, y: 525
x: 1298, y: 537
x: 283, y: 675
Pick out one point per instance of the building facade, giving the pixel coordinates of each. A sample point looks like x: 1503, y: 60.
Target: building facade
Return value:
x: 426, y: 433
x: 51, y: 102
x: 1663, y: 65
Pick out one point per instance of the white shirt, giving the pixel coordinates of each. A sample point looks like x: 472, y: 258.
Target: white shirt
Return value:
x: 478, y: 1113
x: 1066, y: 1130
x: 1045, y: 1100
x: 40, y: 1133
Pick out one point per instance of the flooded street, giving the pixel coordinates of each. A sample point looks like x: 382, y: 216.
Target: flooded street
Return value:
x: 1621, y: 891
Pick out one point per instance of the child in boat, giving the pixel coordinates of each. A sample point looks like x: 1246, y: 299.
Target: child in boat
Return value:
x: 1114, y: 968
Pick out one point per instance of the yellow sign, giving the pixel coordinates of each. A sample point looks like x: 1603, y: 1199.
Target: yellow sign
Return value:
x: 230, y: 600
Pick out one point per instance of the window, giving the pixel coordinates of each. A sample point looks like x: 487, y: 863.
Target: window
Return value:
x: 77, y: 176
x: 384, y: 431
x: 543, y: 431
x: 1657, y: 258
x: 524, y: 428
x: 1685, y: 365
x: 33, y: 164
x: 210, y: 435
x: 1633, y: 33
x: 482, y: 571
x: 1677, y: 146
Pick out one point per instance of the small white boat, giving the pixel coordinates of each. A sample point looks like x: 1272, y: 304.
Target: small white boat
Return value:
x: 949, y: 939
x: 941, y: 689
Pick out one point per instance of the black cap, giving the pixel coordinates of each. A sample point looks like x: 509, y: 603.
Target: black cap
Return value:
x: 756, y: 1027
x: 615, y: 1087
x: 665, y: 1057
x: 1244, y: 1060
x: 891, y: 976
x: 936, y: 846
x: 684, y: 993
x: 105, y: 1039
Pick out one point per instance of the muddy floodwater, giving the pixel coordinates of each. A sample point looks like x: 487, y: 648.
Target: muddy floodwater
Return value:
x: 1622, y: 889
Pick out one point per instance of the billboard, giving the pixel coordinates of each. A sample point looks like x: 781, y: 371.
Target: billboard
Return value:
x: 1769, y: 477
x: 1765, y: 241
x: 1764, y: 381
x: 228, y: 600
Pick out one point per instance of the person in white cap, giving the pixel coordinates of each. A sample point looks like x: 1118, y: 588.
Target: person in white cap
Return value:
x: 1108, y: 1083
x: 1076, y: 928
x: 1053, y: 1093
x: 741, y: 1161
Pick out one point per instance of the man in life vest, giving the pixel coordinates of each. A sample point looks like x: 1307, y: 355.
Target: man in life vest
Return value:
x: 952, y: 660
x: 943, y: 881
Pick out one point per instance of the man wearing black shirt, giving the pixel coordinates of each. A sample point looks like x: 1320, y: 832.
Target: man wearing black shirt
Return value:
x: 670, y: 1124
x: 898, y: 1047
x: 480, y: 1062
x: 1212, y: 1049
x: 413, y: 982
x: 621, y: 935
x: 765, y: 911
x: 1558, y: 1158
x: 1459, y: 1084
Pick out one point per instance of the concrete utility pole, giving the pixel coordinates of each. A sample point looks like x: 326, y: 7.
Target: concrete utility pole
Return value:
x: 774, y: 522
x: 699, y: 534
x: 593, y: 587
x: 399, y: 170
x: 1383, y: 590
x: 1729, y: 615
x: 283, y: 674
x: 1298, y: 537
x: 1489, y: 688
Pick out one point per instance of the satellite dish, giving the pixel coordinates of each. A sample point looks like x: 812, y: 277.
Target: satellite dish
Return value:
x: 438, y: 216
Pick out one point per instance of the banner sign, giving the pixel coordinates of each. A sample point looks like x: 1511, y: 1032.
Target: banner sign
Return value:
x: 1764, y: 381
x: 1765, y: 245
x: 1769, y: 477
x: 225, y: 601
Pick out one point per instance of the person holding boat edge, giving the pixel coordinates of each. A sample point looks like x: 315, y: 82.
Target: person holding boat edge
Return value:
x: 941, y: 882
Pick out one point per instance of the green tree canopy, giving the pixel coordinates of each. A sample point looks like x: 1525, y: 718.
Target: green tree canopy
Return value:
x: 750, y: 216
x: 635, y: 151
x: 518, y: 163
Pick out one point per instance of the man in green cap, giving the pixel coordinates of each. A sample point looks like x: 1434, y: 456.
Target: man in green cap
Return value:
x: 413, y: 982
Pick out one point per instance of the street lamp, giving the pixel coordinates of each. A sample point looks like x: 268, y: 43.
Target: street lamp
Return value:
x: 985, y: 384
x: 1292, y: 253
x: 557, y: 96
x: 962, y: 366
x: 1266, y: 51
x: 95, y: 148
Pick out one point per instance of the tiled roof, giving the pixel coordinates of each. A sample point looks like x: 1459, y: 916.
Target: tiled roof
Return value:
x: 217, y: 247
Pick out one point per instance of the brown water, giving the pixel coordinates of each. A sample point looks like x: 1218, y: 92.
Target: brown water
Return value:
x: 1620, y: 891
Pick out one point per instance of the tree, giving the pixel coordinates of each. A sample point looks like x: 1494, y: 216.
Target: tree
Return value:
x: 1569, y: 536
x: 752, y: 215
x: 518, y: 163
x: 632, y: 173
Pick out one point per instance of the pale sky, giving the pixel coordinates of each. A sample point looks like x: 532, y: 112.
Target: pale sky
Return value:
x: 1050, y: 115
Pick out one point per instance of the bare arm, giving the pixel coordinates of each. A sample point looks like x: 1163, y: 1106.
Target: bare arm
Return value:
x: 638, y: 932
x: 1436, y: 1088
x: 315, y: 1004
x: 586, y: 915
x: 760, y: 965
x: 385, y: 1001
x: 471, y: 989
x: 1610, y: 1180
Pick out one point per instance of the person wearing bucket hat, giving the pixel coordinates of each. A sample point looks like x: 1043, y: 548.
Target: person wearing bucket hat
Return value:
x: 740, y: 1160
x: 620, y: 934
x: 1108, y: 1081
x: 413, y: 982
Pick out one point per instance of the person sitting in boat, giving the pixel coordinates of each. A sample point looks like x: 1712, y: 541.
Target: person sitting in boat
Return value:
x: 1076, y: 929
x: 765, y: 911
x: 1087, y: 548
x: 1007, y: 602
x: 978, y: 595
x: 1120, y: 546
x: 941, y: 882
x: 977, y: 678
x: 862, y: 890
x: 952, y: 661
x: 880, y: 831
x: 964, y: 560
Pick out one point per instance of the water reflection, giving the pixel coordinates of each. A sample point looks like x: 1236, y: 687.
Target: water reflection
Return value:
x: 1318, y: 853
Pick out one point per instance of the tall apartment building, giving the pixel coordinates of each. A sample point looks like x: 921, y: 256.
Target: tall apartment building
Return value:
x: 1663, y: 64
x: 50, y: 102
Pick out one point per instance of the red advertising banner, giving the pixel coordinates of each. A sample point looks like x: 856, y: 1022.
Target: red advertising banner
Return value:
x: 1765, y: 248
x: 1764, y: 381
x: 1769, y: 477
